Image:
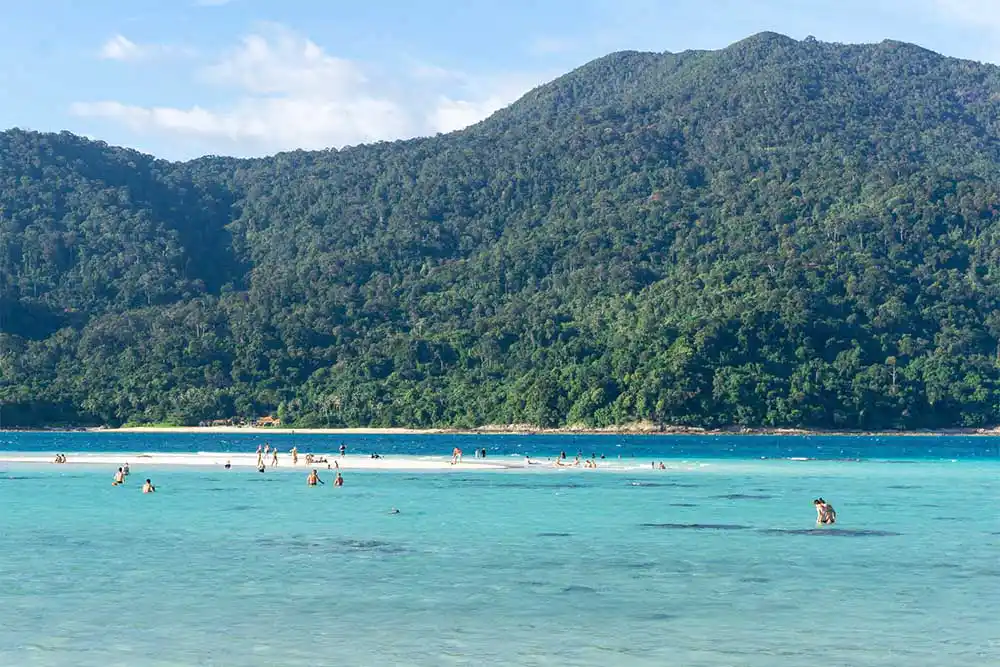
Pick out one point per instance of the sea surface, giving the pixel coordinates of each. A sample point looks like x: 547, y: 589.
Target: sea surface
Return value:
x: 715, y: 561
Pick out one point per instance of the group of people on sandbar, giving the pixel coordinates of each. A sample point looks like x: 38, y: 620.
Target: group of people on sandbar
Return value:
x: 588, y: 463
x: 264, y: 452
x: 60, y: 458
x: 313, y: 479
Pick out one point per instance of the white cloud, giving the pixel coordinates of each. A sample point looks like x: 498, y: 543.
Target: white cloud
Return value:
x: 122, y: 48
x: 290, y: 93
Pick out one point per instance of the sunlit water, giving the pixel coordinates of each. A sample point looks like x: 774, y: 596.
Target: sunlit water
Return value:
x: 715, y: 561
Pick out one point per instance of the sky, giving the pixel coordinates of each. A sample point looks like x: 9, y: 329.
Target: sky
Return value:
x: 185, y: 78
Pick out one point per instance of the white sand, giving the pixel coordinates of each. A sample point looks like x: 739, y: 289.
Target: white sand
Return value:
x: 351, y: 462
x: 249, y: 460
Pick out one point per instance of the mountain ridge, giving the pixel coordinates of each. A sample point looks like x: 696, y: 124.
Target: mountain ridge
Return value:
x: 781, y: 233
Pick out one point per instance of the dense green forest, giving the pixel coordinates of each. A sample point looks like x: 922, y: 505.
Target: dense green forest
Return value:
x: 780, y: 233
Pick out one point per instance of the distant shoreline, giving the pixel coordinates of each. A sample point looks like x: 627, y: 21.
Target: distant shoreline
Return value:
x: 513, y: 429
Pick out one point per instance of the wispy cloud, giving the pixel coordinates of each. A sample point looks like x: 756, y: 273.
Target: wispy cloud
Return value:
x: 290, y: 93
x: 122, y: 48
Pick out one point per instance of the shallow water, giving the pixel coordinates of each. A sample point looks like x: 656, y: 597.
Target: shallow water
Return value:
x: 719, y: 564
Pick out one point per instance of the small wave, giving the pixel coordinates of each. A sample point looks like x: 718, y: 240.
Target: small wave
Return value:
x: 553, y: 535
x: 744, y: 496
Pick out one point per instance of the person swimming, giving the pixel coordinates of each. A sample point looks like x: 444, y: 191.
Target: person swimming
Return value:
x: 313, y: 479
x: 394, y: 511
x: 260, y: 466
x: 148, y: 487
x: 119, y: 478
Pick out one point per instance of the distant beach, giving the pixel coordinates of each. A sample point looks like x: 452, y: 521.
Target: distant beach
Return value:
x: 639, y: 428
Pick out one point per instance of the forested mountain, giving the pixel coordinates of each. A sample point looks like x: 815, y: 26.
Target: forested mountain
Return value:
x: 779, y: 233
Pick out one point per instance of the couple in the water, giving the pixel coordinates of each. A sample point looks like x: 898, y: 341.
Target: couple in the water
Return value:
x: 313, y: 479
x: 825, y: 513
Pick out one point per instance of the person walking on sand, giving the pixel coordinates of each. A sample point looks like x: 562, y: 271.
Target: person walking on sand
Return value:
x: 260, y: 456
x: 339, y: 481
x: 148, y: 487
x: 313, y: 479
x: 295, y: 455
x: 119, y: 478
x: 456, y: 456
x: 274, y: 456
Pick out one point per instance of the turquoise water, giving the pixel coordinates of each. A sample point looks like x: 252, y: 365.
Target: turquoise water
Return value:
x: 717, y: 564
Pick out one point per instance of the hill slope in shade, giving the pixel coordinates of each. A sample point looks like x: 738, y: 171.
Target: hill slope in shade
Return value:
x: 779, y: 233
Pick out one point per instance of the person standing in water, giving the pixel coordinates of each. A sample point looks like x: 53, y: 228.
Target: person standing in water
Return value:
x: 125, y: 470
x: 148, y: 487
x: 339, y: 481
x: 313, y: 479
x: 119, y: 478
x: 343, y: 449
x: 825, y: 514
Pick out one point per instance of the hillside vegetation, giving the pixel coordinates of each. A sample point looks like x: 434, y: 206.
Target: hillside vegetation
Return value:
x: 779, y: 233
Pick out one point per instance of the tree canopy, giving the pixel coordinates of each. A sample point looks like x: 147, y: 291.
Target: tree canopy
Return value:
x: 780, y: 233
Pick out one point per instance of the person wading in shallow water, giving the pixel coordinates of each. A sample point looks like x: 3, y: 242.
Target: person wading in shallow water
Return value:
x: 825, y: 514
x: 339, y: 481
x: 313, y: 479
x: 148, y: 487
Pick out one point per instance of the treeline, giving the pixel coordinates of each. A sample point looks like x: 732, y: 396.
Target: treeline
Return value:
x: 780, y: 233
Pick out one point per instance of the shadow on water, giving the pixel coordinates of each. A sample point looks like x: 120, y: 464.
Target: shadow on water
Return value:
x: 579, y: 589
x: 744, y: 496
x: 683, y: 504
x: 553, y: 535
x: 830, y: 532
x: 332, y: 545
x: 696, y: 526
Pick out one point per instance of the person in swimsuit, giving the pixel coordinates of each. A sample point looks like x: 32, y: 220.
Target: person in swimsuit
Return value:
x: 274, y: 456
x: 456, y: 456
x: 148, y: 487
x: 125, y: 470
x: 825, y: 514
x: 119, y: 478
x: 313, y: 479
x: 343, y: 449
x: 339, y: 481
x: 228, y: 465
x: 260, y: 455
x: 295, y: 456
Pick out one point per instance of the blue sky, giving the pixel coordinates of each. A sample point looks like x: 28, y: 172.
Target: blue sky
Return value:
x: 182, y: 78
